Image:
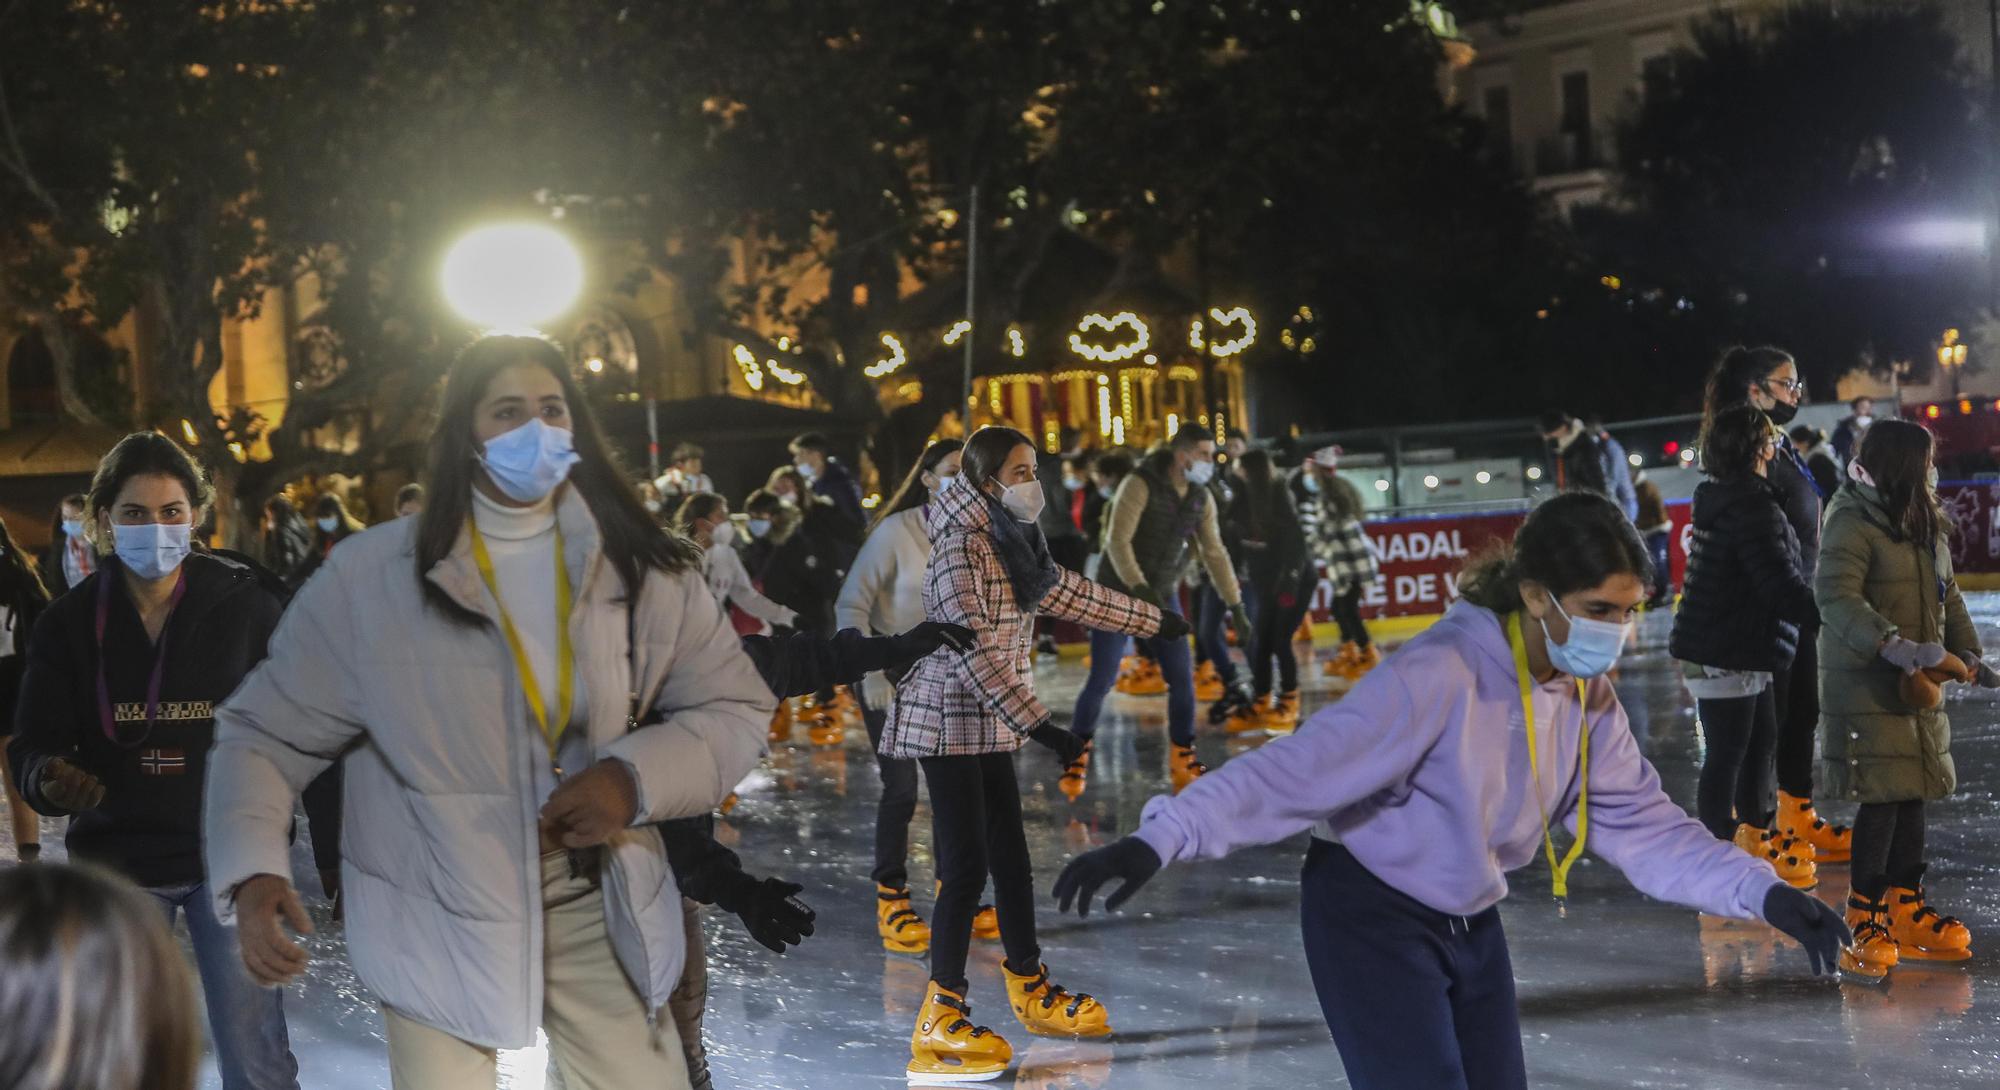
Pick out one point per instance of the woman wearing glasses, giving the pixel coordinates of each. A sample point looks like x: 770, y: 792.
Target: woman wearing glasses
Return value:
x: 1768, y: 380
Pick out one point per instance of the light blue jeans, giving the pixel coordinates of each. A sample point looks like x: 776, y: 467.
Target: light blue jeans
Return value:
x: 246, y: 1022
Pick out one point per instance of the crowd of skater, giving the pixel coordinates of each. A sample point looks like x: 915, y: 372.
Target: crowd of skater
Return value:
x: 512, y: 711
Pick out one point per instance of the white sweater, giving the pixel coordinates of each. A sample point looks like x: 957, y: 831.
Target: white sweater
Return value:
x: 884, y: 591
x: 729, y: 582
x: 522, y: 543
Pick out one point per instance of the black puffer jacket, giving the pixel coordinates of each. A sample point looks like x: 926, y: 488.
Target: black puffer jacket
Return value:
x: 1745, y: 595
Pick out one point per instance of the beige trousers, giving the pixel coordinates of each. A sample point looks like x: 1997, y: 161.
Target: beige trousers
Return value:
x: 599, y: 1036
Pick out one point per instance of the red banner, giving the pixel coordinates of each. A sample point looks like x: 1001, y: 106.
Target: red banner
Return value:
x: 1421, y: 558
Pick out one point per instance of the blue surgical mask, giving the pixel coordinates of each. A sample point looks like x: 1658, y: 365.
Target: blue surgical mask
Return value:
x: 1593, y: 647
x: 1201, y: 473
x: 1311, y: 483
x: 529, y: 462
x: 1106, y: 491
x: 1074, y: 484
x: 152, y: 550
x: 329, y: 524
x: 759, y: 527
x: 72, y: 527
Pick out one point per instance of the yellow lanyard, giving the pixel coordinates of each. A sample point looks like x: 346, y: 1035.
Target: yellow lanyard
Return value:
x: 552, y: 729
x: 1558, y: 871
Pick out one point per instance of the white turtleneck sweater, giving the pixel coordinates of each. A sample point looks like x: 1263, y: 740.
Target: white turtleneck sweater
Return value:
x: 522, y: 543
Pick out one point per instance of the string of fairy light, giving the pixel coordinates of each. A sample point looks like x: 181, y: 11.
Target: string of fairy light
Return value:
x: 1099, y: 341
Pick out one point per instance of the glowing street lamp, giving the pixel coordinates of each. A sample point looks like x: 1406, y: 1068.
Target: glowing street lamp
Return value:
x: 512, y: 275
x: 1951, y: 357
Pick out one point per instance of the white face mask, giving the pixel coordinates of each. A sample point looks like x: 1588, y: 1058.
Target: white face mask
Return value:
x: 1024, y: 501
x: 1863, y: 421
x: 153, y: 550
x: 1201, y: 473
x: 652, y: 506
x: 529, y: 462
x: 1593, y: 647
x: 722, y: 533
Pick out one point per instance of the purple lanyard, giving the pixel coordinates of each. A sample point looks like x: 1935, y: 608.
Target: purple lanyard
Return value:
x: 106, y: 717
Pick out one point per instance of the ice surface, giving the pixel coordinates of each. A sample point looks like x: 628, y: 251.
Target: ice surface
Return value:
x: 1204, y: 975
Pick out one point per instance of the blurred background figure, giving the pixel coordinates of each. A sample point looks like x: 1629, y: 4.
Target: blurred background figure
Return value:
x: 22, y: 599
x: 69, y: 559
x: 287, y: 543
x: 409, y: 500
x: 683, y: 477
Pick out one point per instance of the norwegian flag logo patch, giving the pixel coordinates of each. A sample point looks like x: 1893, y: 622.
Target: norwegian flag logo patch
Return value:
x: 162, y: 762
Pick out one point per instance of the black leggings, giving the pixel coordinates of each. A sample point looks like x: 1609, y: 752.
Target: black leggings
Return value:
x: 895, y: 810
x: 1735, y: 785
x: 1797, y: 693
x: 1347, y: 614
x: 1279, y: 612
x: 976, y: 829
x: 1888, y: 846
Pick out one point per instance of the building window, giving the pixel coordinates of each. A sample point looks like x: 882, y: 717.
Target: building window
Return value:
x: 1575, y: 126
x: 1496, y: 103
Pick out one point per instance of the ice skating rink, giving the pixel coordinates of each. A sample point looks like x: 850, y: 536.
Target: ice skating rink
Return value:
x: 1204, y: 976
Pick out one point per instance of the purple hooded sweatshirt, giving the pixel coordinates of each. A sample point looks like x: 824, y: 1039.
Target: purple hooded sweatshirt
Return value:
x: 1422, y: 772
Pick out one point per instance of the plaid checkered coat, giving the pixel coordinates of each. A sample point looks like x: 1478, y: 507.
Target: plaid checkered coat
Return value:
x: 984, y: 701
x: 1342, y: 546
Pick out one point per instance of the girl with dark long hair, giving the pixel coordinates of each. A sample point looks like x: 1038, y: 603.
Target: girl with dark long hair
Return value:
x: 1768, y: 380
x: 962, y: 717
x: 22, y: 599
x: 523, y: 680
x: 117, y: 719
x: 1891, y: 607
x: 1742, y: 605
x: 1424, y: 787
x: 882, y: 595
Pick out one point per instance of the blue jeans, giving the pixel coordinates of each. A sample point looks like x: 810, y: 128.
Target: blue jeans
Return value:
x: 246, y: 1022
x: 1210, y: 645
x: 1176, y: 664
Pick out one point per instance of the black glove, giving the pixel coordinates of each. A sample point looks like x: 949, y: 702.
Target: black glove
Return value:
x: 770, y: 911
x: 1130, y: 859
x: 1068, y: 746
x: 1173, y: 626
x: 1815, y: 925
x: 928, y: 637
x: 1147, y: 595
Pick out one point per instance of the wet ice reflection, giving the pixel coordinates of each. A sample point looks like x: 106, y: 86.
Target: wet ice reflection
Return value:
x: 1204, y: 975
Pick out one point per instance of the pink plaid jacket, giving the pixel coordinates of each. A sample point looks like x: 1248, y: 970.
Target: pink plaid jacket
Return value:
x: 984, y: 701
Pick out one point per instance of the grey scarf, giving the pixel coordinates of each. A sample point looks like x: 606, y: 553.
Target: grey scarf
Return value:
x: 1024, y: 552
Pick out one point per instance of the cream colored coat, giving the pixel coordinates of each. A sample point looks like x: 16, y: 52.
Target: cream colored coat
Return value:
x: 441, y: 867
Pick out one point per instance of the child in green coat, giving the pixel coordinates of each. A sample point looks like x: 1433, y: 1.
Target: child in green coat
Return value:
x: 1890, y: 607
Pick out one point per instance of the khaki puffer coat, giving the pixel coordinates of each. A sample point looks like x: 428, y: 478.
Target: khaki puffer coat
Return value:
x: 1870, y: 586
